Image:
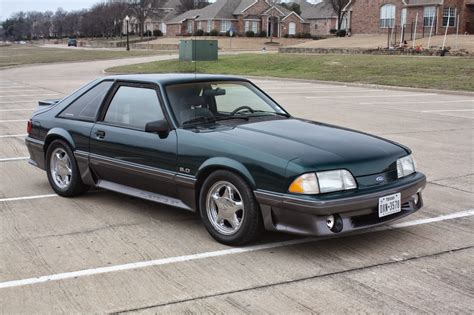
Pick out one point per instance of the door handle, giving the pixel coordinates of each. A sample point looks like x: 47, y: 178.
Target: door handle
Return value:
x: 100, y: 134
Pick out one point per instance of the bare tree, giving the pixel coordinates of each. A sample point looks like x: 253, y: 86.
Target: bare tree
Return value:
x: 186, y: 5
x: 142, y: 9
x: 117, y: 10
x: 338, y: 6
x: 58, y: 22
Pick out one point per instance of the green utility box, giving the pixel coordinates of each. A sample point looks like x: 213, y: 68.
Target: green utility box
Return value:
x: 197, y: 50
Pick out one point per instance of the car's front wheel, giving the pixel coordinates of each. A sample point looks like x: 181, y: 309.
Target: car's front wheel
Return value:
x: 63, y: 174
x: 229, y: 210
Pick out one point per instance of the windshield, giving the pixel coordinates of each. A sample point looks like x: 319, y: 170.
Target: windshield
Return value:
x: 209, y: 102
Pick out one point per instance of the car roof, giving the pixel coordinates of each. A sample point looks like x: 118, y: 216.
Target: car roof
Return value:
x: 174, y: 78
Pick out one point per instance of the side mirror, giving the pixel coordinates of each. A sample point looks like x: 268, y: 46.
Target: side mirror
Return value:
x: 161, y: 127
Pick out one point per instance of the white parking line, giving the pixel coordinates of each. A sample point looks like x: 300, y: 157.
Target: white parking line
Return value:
x: 14, y: 159
x: 13, y: 120
x: 28, y: 198
x: 21, y: 95
x: 22, y: 88
x: 13, y: 136
x: 447, y: 110
x: 16, y: 109
x: 224, y: 252
x: 420, y: 102
x: 17, y: 89
x: 373, y: 96
x: 18, y: 102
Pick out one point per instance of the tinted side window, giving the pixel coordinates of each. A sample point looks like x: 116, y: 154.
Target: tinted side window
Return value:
x: 86, y: 106
x: 134, y: 107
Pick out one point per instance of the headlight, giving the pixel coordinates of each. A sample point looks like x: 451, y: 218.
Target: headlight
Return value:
x: 335, y: 181
x: 323, y: 182
x: 406, y: 166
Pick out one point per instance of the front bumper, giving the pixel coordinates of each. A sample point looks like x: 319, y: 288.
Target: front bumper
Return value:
x: 307, y: 215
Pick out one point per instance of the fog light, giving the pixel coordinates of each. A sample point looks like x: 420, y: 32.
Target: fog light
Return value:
x: 415, y: 198
x: 330, y: 222
x: 334, y: 223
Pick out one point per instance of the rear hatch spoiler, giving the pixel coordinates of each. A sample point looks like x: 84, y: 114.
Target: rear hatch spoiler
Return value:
x: 48, y: 102
x: 45, y: 105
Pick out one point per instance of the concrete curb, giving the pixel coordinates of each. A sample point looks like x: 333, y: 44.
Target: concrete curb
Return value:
x: 367, y: 85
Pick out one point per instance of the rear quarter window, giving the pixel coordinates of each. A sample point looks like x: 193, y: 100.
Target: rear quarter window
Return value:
x: 87, y: 106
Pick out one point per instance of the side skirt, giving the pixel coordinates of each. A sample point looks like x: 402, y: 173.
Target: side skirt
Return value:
x: 142, y: 194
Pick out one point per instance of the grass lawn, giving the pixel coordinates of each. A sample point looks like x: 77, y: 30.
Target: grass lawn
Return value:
x: 421, y: 72
x: 22, y: 54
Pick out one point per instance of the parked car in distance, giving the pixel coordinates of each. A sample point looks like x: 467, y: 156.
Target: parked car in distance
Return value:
x: 72, y: 42
x: 221, y: 146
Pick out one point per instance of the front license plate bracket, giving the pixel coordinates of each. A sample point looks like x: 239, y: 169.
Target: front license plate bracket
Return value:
x: 389, y: 205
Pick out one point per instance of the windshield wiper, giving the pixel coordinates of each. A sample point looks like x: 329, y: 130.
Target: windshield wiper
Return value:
x: 271, y: 113
x: 199, y: 120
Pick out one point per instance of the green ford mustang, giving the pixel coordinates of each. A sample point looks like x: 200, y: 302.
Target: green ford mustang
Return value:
x: 221, y: 146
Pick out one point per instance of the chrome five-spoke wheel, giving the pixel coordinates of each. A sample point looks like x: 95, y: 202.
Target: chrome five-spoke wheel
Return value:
x: 228, y: 208
x: 225, y: 207
x: 61, y: 168
x: 63, y: 173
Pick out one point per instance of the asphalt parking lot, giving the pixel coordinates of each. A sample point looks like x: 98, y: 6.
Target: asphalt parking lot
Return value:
x: 105, y: 252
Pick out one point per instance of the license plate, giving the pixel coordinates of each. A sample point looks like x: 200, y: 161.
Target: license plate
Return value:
x: 389, y: 205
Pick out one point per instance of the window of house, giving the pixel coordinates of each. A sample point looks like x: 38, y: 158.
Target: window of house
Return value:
x: 403, y: 17
x: 449, y: 14
x: 225, y: 26
x: 87, y: 106
x: 190, y: 26
x: 255, y: 26
x: 292, y: 28
x: 387, y: 15
x: 209, y: 26
x: 199, y: 25
x: 251, y: 26
x: 134, y: 107
x: 429, y: 14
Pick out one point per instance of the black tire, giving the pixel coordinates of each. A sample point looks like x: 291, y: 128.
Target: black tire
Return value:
x: 252, y: 223
x: 75, y: 187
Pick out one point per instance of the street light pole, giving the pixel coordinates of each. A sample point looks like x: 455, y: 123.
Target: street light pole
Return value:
x: 127, y: 20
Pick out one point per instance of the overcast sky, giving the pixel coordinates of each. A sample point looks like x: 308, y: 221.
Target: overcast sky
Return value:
x: 7, y: 7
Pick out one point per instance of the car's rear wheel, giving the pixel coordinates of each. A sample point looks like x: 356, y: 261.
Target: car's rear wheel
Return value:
x: 229, y: 210
x: 63, y: 173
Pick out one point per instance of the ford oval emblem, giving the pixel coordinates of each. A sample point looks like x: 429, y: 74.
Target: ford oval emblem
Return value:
x: 379, y: 179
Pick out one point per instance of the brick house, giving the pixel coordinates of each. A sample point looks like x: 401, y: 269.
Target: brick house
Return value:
x: 377, y: 16
x: 156, y: 19
x: 239, y: 16
x: 320, y: 18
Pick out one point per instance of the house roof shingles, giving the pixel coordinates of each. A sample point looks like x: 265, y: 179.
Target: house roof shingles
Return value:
x: 228, y: 9
x: 221, y: 9
x: 244, y: 4
x: 322, y: 10
x: 186, y: 15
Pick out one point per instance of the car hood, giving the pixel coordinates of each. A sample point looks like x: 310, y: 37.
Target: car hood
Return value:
x: 313, y: 146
